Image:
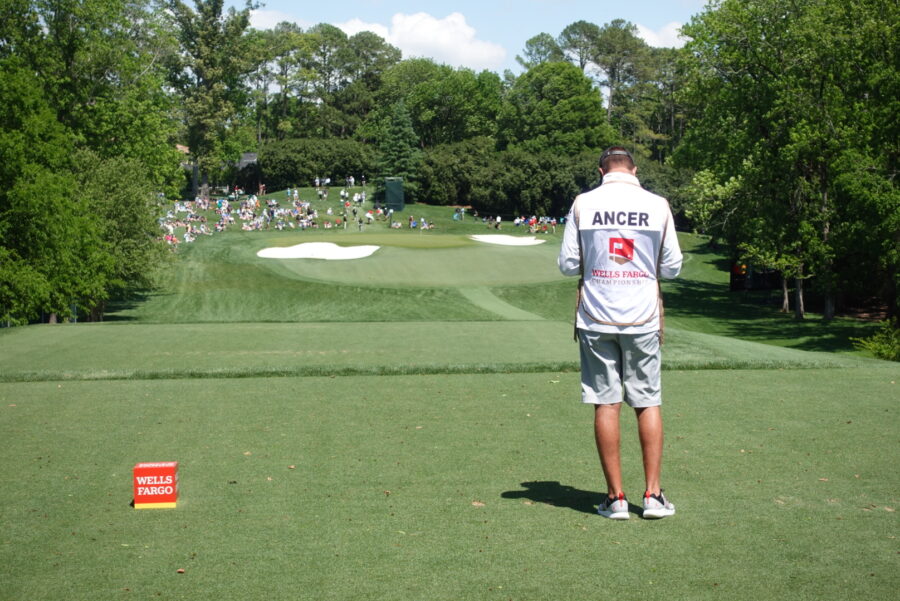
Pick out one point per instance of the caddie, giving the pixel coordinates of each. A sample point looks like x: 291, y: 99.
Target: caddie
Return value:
x: 620, y: 239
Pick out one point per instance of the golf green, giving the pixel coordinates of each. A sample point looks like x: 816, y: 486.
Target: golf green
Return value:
x: 436, y: 261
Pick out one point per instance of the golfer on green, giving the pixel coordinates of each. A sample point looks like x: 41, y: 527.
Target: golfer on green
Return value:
x: 620, y: 239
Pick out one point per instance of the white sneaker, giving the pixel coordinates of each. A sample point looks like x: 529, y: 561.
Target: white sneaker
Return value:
x: 657, y: 506
x: 614, y: 509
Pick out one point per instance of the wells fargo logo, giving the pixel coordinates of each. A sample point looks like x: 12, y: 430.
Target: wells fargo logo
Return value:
x: 621, y: 250
x: 156, y: 485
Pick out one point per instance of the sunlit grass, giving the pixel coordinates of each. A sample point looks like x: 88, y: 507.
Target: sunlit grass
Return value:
x: 356, y: 438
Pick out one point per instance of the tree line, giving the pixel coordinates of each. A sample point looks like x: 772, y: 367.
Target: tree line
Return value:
x: 774, y: 130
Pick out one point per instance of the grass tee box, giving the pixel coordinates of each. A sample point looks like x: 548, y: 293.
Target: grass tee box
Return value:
x: 156, y: 485
x: 456, y: 486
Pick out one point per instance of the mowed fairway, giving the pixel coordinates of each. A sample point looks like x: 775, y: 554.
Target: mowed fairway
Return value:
x: 408, y: 427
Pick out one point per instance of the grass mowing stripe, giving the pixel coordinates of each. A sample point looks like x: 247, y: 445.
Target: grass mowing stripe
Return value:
x: 135, y: 351
x: 300, y: 371
x: 481, y: 296
x: 386, y: 370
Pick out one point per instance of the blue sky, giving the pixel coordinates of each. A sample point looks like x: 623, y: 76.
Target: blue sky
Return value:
x: 485, y: 34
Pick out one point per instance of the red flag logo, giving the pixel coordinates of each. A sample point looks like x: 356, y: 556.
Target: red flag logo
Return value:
x: 621, y: 250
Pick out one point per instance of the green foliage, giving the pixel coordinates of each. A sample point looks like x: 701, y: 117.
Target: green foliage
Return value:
x: 292, y: 162
x: 510, y: 182
x: 76, y: 228
x: 577, y: 42
x: 623, y: 58
x: 554, y: 108
x: 458, y: 106
x: 536, y: 184
x: 867, y: 253
x: 29, y: 131
x: 398, y: 152
x: 210, y: 73
x: 883, y: 344
x: 281, y: 57
x: 541, y: 48
x: 445, y: 105
x: 38, y: 223
x: 319, y: 83
x: 23, y: 289
x: 644, y: 108
x: 101, y: 66
x: 778, y: 103
x: 330, y: 86
x: 372, y: 56
x: 58, y: 238
x: 706, y: 198
x: 119, y: 197
x: 401, y: 79
x: 450, y: 172
x: 330, y: 56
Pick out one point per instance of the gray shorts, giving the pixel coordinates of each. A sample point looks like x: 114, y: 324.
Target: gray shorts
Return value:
x: 617, y: 367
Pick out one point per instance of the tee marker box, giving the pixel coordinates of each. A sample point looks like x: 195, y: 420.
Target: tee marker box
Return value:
x: 156, y: 485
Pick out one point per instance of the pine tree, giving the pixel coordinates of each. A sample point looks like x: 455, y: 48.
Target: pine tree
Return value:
x: 398, y: 151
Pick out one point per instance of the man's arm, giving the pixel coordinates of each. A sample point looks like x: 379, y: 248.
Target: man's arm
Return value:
x: 569, y: 260
x: 670, y: 264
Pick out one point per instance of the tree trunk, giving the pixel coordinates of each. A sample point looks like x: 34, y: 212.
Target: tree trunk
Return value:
x: 828, y: 310
x: 97, y: 312
x: 799, y: 311
x: 785, y: 296
x: 195, y: 178
x: 891, y: 294
x: 52, y: 318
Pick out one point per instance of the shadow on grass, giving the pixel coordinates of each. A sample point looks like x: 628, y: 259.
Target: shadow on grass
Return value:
x: 558, y: 495
x: 694, y: 298
x: 754, y: 316
x: 712, y: 256
x: 117, y: 310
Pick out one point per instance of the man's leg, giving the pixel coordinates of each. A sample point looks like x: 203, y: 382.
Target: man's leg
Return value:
x: 601, y: 385
x: 643, y: 391
x: 650, y: 431
x: 606, y: 433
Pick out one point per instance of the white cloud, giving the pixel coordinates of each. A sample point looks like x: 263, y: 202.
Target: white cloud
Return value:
x: 667, y: 36
x: 354, y: 26
x: 449, y: 40
x: 267, y: 19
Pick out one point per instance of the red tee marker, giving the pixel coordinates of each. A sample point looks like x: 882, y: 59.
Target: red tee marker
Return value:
x: 155, y: 485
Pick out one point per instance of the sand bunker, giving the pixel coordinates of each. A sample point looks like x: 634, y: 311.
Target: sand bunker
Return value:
x: 507, y: 240
x: 317, y: 250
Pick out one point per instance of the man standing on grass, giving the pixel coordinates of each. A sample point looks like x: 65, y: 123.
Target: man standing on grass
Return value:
x: 620, y: 239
